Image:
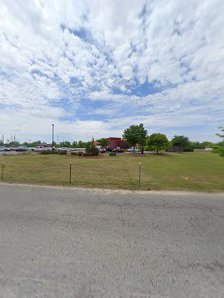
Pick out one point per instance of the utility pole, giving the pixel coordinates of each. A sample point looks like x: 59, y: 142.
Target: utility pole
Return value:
x: 52, y: 144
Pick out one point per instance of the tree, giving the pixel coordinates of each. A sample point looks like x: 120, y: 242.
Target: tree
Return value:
x: 35, y: 143
x: 220, y: 149
x: 82, y: 144
x: 14, y: 143
x: 91, y: 148
x: 221, y: 135
x: 65, y: 144
x: 180, y: 141
x: 136, y: 134
x: 75, y: 144
x: 158, y: 142
x: 103, y: 142
x: 220, y: 143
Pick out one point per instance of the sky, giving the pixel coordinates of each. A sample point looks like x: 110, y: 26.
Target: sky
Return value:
x: 95, y: 67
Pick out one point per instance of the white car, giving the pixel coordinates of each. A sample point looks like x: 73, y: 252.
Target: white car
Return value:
x: 132, y: 149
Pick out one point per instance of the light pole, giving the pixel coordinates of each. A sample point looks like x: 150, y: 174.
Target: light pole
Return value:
x: 52, y: 144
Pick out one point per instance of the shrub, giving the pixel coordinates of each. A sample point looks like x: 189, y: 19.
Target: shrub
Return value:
x: 88, y: 154
x: 91, y: 148
x: 62, y: 152
x: 74, y: 153
x: 49, y: 152
x: 219, y: 150
x: 189, y: 150
x: 112, y: 154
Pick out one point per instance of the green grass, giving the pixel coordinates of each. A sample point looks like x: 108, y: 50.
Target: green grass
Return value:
x: 198, y: 171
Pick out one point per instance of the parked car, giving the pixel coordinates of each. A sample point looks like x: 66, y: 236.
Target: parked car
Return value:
x: 102, y: 150
x: 132, y: 149
x: 21, y: 149
x: 62, y: 149
x: 41, y: 148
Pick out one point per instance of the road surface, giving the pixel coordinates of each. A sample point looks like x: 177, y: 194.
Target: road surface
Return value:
x: 57, y: 242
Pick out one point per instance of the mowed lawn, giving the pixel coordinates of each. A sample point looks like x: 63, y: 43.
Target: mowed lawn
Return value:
x: 197, y: 171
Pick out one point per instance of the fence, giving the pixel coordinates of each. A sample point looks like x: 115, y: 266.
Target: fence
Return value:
x: 111, y: 172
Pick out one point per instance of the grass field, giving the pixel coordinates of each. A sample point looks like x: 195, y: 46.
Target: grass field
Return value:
x: 197, y: 171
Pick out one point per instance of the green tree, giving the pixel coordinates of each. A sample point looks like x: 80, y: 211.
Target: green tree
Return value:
x: 75, y: 144
x: 220, y: 149
x: 220, y: 134
x: 220, y: 143
x: 181, y: 141
x: 35, y: 143
x: 136, y: 134
x: 82, y: 144
x: 103, y: 142
x: 14, y: 143
x: 91, y: 148
x: 65, y: 144
x: 158, y: 142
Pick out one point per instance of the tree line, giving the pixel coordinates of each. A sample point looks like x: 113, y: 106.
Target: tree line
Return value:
x: 137, y: 135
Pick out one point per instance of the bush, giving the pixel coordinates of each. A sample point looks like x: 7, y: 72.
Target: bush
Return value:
x: 189, y: 150
x: 219, y: 150
x: 48, y: 152
x: 112, y: 154
x: 88, y: 154
x: 74, y: 153
x: 62, y: 152
x: 91, y: 148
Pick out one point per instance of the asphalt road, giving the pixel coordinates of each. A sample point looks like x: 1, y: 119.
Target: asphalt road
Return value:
x: 58, y: 242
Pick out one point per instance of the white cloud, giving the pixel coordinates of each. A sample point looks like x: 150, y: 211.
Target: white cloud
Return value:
x: 53, y: 55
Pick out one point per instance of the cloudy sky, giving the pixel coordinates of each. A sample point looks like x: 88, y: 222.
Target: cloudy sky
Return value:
x: 95, y: 67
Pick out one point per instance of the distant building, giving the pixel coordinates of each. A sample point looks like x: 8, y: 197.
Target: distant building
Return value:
x: 203, y: 149
x: 43, y: 145
x: 116, y: 142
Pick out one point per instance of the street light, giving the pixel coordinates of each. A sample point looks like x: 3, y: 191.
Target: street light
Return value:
x: 52, y: 144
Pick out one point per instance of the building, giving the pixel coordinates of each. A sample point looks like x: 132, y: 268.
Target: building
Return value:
x: 116, y: 142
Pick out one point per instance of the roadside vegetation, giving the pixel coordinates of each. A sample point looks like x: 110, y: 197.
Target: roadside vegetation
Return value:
x: 196, y: 171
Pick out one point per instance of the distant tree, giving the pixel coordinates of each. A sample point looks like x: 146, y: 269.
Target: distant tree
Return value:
x: 136, y: 134
x: 26, y: 144
x: 221, y: 135
x: 207, y: 144
x: 157, y: 142
x: 35, y: 143
x: 65, y: 144
x: 196, y: 145
x: 180, y: 141
x: 103, y: 142
x: 75, y: 144
x: 14, y: 143
x: 220, y: 143
x: 82, y: 144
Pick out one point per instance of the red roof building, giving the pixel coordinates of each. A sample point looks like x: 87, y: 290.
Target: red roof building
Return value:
x: 113, y: 143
